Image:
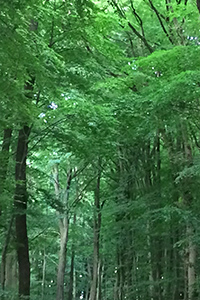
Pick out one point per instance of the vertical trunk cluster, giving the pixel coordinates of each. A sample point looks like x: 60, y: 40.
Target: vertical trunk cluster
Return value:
x: 184, y: 198
x: 156, y: 250
x: 188, y: 200
x: 20, y: 203
x: 140, y: 175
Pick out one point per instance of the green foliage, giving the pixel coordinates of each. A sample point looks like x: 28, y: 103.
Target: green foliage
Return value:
x: 119, y: 82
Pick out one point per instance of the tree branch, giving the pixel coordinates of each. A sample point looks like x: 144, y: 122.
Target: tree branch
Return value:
x: 139, y: 20
x: 160, y: 21
x: 142, y: 38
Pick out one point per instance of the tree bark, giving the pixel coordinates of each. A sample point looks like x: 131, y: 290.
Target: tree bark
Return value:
x: 11, y: 279
x: 64, y: 229
x: 62, y: 261
x: 198, y: 5
x: 4, y: 160
x: 5, y: 151
x: 97, y: 227
x: 4, y: 253
x: 20, y: 203
x: 99, y: 280
x: 191, y: 263
x: 71, y: 278
x: 43, y: 274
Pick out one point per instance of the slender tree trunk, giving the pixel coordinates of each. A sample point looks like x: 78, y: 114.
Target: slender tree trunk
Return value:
x: 5, y: 152
x: 3, y: 172
x: 188, y: 199
x: 20, y: 203
x: 99, y: 280
x: 74, y: 285
x: 120, y: 277
x: 71, y: 277
x: 43, y: 275
x: 150, y: 262
x: 191, y: 263
x: 64, y: 229
x: 89, y: 279
x: 97, y: 227
x: 93, y: 289
x: 4, y: 161
x: 62, y: 260
x: 4, y: 253
x: 11, y: 271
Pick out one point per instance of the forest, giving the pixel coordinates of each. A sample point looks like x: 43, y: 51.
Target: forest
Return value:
x: 100, y: 149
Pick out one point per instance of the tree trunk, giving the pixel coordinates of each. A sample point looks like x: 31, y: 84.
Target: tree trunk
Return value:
x: 62, y: 261
x: 188, y: 199
x: 5, y: 151
x: 89, y: 279
x: 74, y: 285
x: 4, y: 160
x: 64, y: 229
x: 71, y: 279
x: 98, y: 297
x: 97, y: 227
x: 191, y: 263
x: 43, y: 275
x: 4, y: 253
x: 20, y: 203
x: 11, y: 271
x: 93, y: 289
